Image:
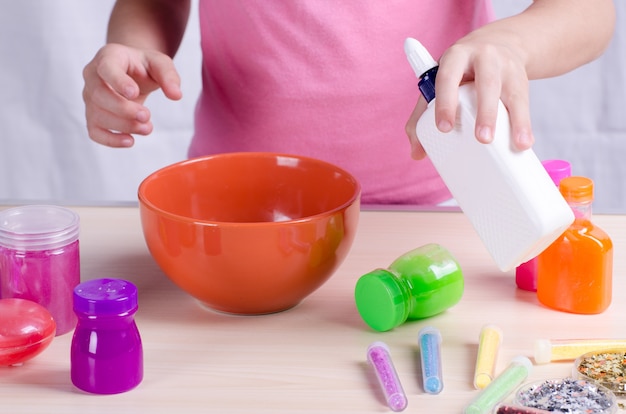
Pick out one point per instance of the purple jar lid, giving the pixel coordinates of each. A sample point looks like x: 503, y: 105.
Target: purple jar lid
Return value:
x: 105, y: 297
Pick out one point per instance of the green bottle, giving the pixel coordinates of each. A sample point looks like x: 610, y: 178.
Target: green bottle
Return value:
x: 421, y: 283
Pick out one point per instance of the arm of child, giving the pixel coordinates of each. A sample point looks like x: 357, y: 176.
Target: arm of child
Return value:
x: 549, y: 38
x: 142, y: 38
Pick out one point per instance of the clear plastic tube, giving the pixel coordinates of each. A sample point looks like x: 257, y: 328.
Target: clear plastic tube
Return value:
x: 501, y: 386
x: 429, y: 339
x: 548, y: 350
x: 378, y: 355
x: 488, y: 346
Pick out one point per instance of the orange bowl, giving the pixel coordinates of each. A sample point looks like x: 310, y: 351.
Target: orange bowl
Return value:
x: 249, y: 233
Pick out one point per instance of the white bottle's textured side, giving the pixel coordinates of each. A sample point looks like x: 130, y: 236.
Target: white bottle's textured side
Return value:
x: 507, y: 194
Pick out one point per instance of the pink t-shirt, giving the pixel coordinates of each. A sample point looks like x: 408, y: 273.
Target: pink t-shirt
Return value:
x: 326, y: 79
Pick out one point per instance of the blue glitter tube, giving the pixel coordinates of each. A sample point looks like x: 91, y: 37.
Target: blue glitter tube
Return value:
x: 378, y: 355
x: 429, y: 340
x: 501, y: 386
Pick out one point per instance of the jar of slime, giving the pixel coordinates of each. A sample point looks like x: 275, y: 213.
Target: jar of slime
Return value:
x: 39, y: 259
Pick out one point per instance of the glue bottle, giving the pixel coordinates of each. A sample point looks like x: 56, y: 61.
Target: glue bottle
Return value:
x: 506, y: 193
x: 421, y: 283
x: 106, y: 351
x: 574, y: 274
x: 526, y: 273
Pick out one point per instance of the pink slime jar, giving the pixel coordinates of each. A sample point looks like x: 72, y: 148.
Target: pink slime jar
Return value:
x: 39, y: 259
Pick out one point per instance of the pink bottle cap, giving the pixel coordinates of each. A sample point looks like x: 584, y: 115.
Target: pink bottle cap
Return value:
x: 557, y: 169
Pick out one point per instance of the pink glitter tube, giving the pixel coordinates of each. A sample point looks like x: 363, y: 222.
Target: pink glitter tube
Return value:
x: 39, y: 259
x: 378, y: 355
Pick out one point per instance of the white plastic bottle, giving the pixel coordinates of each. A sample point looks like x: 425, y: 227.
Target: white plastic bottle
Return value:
x: 506, y: 193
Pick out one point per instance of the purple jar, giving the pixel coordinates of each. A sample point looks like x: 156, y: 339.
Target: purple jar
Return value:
x: 106, y: 352
x: 39, y: 259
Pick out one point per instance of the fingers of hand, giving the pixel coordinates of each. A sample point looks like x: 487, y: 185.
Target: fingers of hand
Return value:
x: 113, y: 99
x: 417, y: 151
x: 498, y: 74
x: 114, y: 65
x: 164, y: 73
x: 106, y: 110
x: 452, y: 68
x: 519, y: 114
x: 488, y: 81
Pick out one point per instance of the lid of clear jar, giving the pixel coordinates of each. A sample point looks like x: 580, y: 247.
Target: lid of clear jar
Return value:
x: 38, y: 227
x: 105, y: 297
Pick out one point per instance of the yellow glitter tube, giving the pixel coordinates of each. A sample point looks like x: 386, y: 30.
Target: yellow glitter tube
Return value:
x: 488, y: 345
x: 550, y: 350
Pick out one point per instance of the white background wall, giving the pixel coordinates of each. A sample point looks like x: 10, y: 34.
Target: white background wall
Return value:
x: 45, y: 154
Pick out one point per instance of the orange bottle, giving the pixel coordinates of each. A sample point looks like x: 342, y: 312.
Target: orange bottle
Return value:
x: 574, y: 274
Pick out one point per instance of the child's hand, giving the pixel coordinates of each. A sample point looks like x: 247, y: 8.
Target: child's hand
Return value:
x: 417, y: 151
x: 498, y: 70
x: 117, y: 82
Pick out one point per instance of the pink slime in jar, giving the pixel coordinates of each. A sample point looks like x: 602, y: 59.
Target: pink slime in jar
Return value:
x: 39, y: 259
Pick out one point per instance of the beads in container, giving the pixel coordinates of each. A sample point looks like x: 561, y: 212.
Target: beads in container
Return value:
x: 606, y: 367
x: 567, y: 396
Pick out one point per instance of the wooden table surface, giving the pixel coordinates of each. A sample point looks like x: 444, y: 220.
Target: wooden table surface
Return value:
x: 310, y: 359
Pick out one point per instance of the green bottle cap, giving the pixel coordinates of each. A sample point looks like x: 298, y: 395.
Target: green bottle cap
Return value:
x: 380, y: 300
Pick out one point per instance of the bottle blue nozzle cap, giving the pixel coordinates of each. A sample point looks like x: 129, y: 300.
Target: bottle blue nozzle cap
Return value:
x: 423, y: 65
x: 419, y: 58
x: 380, y: 300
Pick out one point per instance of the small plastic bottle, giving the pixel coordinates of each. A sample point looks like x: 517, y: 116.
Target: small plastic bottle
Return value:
x: 574, y: 274
x: 106, y: 352
x: 421, y: 283
x: 526, y: 273
x: 40, y: 260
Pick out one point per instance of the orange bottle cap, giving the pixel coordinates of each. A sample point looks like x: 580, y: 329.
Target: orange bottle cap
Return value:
x: 577, y: 189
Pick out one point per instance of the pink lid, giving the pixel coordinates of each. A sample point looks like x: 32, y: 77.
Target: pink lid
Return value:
x: 557, y: 169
